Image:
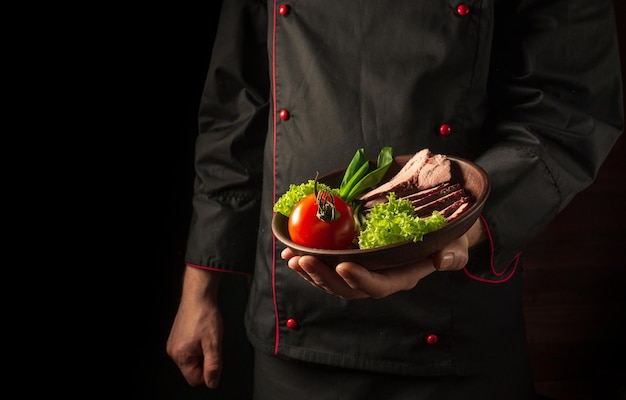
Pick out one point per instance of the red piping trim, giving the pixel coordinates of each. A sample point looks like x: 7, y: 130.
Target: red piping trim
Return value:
x: 492, y: 265
x: 226, y: 271
x: 277, y: 336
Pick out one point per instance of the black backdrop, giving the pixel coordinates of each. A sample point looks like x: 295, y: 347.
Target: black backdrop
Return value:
x: 167, y: 65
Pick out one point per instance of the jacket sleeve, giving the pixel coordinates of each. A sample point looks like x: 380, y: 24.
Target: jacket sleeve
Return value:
x: 560, y: 110
x: 229, y: 148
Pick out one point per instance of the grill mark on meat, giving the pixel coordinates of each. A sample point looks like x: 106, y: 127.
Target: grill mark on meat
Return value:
x: 445, y: 189
x: 439, y: 203
x: 413, y: 196
x: 455, y: 209
x: 426, y: 192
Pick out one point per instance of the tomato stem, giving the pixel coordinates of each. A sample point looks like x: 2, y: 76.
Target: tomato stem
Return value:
x: 326, y: 210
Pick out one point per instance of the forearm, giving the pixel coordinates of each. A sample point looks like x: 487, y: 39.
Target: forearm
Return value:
x: 200, y: 285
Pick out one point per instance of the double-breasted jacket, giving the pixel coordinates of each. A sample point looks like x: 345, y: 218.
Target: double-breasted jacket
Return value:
x: 529, y: 90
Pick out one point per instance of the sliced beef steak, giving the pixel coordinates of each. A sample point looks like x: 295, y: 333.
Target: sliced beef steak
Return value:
x: 440, y: 203
x: 425, y: 180
x: 435, y: 170
x: 402, y: 180
x: 455, y: 209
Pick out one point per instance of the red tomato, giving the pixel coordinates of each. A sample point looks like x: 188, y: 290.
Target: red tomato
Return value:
x: 308, y: 229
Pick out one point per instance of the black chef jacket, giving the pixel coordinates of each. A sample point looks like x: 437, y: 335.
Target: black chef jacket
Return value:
x: 529, y: 90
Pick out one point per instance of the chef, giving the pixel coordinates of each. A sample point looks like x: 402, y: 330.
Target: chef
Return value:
x: 529, y: 90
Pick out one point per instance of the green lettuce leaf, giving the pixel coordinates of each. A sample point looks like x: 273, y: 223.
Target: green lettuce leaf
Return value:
x: 295, y: 193
x: 394, y: 222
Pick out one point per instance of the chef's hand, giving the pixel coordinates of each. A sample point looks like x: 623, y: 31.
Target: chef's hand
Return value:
x: 195, y: 340
x: 353, y: 281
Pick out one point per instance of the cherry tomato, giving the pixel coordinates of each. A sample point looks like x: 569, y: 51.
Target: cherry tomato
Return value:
x: 322, y: 222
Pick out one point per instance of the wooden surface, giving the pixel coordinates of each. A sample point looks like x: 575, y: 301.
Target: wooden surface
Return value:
x: 575, y: 287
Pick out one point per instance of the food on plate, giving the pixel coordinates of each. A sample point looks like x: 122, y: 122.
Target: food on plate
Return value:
x: 425, y: 181
x: 395, y: 221
x: 287, y: 201
x: 418, y: 199
x: 422, y: 171
x: 322, y: 220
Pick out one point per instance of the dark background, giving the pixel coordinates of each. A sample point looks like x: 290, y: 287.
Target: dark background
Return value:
x: 575, y: 272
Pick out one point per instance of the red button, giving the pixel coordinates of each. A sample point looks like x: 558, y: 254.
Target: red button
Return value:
x: 284, y: 114
x: 292, y: 323
x: 283, y: 9
x: 445, y: 129
x: 432, y: 339
x: 462, y: 9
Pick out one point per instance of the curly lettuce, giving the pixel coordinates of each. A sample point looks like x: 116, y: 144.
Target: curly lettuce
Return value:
x: 394, y: 222
x: 295, y: 193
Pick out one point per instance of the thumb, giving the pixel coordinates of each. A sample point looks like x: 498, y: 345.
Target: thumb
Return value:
x: 212, y: 366
x: 454, y: 256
